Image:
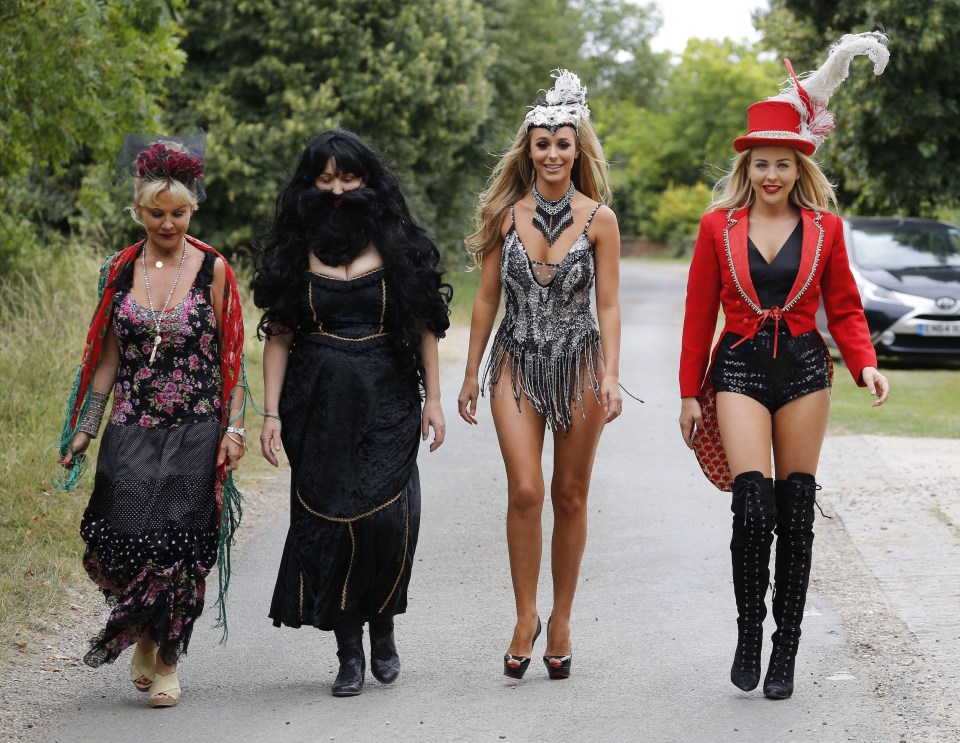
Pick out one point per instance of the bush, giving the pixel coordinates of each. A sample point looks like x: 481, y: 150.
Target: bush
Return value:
x: 677, y: 216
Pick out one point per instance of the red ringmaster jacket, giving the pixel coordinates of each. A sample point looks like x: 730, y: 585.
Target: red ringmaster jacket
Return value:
x: 720, y: 276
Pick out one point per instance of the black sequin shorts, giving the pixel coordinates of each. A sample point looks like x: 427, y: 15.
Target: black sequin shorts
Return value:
x: 801, y: 366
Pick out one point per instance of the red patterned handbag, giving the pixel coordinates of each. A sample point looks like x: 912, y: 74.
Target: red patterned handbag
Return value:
x: 707, y: 444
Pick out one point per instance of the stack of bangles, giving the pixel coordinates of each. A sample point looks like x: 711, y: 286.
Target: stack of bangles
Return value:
x: 93, y: 415
x: 241, y: 432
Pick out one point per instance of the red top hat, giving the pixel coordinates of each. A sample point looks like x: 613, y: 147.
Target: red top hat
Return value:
x: 774, y: 124
x: 798, y: 116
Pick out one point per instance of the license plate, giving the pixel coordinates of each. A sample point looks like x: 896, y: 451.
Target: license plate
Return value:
x: 939, y: 328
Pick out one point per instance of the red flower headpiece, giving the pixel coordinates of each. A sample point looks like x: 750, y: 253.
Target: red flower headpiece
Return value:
x: 160, y: 160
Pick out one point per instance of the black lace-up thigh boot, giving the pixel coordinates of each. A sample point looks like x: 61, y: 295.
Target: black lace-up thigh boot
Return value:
x: 796, y: 497
x: 349, y: 681
x: 384, y: 661
x: 754, y: 517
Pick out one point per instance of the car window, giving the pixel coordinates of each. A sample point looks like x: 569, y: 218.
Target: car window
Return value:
x: 906, y: 246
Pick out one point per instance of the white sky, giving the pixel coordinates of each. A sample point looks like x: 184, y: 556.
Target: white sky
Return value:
x: 705, y: 19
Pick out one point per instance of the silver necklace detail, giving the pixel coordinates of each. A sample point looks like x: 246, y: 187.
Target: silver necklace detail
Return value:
x: 552, y: 217
x: 158, y: 316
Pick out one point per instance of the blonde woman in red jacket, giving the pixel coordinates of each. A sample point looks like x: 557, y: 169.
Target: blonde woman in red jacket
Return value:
x: 768, y: 253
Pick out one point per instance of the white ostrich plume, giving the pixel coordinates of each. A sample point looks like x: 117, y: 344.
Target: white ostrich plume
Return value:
x: 810, y: 95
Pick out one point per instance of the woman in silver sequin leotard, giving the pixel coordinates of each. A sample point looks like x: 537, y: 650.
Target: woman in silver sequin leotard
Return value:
x: 549, y: 241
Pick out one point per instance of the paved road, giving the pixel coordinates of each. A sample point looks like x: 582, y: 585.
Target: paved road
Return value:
x: 653, y: 627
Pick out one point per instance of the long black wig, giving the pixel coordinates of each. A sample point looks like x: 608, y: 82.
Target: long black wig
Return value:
x: 421, y: 299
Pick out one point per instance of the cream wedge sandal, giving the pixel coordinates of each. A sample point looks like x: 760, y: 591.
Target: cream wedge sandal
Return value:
x: 143, y: 665
x: 168, y: 685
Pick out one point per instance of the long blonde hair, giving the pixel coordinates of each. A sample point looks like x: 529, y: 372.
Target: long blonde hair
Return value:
x: 513, y: 178
x: 812, y: 190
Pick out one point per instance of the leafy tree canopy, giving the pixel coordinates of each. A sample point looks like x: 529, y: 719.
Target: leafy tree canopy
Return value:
x: 76, y: 74
x: 262, y: 78
x: 687, y: 138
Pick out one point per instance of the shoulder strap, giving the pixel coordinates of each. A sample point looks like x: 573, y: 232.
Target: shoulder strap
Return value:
x: 590, y: 218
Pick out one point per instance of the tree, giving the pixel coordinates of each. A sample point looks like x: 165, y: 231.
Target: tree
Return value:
x: 618, y: 58
x: 686, y: 139
x: 526, y: 39
x: 74, y: 76
x: 409, y: 77
x: 896, y: 143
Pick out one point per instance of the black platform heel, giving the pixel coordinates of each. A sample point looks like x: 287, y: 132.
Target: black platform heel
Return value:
x: 558, y: 666
x: 514, y: 666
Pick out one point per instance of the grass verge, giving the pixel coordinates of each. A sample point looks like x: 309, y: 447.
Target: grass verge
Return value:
x: 923, y: 402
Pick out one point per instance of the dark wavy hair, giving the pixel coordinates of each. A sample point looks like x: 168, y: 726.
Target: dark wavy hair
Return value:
x: 420, y: 298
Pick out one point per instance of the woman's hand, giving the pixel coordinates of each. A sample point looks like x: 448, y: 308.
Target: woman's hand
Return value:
x: 230, y: 451
x: 878, y: 384
x: 610, y: 397
x: 270, y: 440
x: 78, y: 446
x: 467, y: 400
x: 433, y: 417
x: 691, y: 420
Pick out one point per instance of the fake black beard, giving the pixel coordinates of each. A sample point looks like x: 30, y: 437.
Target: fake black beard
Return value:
x: 338, y: 227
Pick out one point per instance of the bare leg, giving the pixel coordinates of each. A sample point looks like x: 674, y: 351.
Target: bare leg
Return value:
x: 746, y: 430
x: 798, y: 431
x: 521, y: 434
x: 574, y: 453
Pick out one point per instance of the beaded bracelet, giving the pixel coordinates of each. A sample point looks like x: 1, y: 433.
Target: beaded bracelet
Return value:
x: 93, y: 416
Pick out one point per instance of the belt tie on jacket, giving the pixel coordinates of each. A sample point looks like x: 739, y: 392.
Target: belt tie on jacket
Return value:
x: 776, y: 314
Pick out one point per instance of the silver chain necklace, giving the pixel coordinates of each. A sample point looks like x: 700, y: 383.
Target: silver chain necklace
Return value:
x: 552, y: 217
x: 158, y: 316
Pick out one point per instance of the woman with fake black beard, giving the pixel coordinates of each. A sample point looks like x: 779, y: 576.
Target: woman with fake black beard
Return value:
x: 353, y: 306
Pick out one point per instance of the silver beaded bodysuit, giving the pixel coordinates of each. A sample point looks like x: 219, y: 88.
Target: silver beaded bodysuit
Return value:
x: 548, y: 335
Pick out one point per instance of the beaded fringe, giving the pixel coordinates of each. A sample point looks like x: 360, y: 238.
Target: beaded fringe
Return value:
x: 553, y: 385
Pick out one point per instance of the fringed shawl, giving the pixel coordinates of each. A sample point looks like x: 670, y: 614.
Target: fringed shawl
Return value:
x: 228, y: 498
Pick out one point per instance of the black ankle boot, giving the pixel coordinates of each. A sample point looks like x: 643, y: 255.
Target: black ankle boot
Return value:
x: 349, y: 681
x: 754, y: 517
x: 384, y: 661
x: 795, y: 501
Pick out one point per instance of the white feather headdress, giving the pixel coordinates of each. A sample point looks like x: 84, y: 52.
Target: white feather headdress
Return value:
x: 566, y: 104
x: 810, y: 98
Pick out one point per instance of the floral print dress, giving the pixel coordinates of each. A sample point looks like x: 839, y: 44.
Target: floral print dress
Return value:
x: 151, y: 527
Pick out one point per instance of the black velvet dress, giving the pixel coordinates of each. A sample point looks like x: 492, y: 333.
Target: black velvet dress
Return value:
x: 351, y: 430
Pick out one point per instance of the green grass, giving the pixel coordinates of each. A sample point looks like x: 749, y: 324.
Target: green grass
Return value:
x: 44, y: 319
x: 923, y: 402
x: 465, y: 285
